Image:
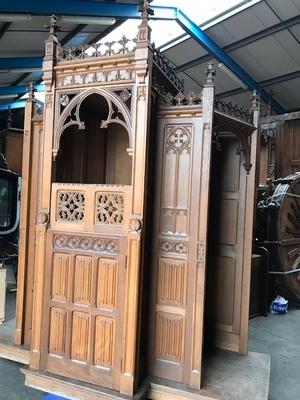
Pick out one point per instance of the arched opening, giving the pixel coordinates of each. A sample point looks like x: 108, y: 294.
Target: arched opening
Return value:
x: 94, y: 154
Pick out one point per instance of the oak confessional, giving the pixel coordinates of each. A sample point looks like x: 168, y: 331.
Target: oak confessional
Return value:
x: 131, y: 192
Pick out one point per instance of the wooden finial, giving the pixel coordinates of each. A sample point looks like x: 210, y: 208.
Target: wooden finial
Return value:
x: 210, y: 73
x: 53, y: 26
x: 255, y: 100
x: 145, y: 10
x: 31, y: 90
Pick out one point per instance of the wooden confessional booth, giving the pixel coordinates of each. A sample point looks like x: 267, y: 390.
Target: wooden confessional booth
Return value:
x: 116, y: 234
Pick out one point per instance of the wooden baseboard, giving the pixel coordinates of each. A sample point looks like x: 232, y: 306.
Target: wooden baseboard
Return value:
x: 73, y: 390
x: 162, y: 392
x: 14, y: 353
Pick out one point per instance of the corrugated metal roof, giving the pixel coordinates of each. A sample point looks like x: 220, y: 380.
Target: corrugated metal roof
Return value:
x: 263, y: 39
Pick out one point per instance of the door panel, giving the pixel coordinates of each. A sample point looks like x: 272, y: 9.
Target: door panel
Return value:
x: 85, y: 282
x: 179, y: 249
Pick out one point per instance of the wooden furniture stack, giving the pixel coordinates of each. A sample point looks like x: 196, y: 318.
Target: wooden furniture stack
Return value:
x: 132, y: 191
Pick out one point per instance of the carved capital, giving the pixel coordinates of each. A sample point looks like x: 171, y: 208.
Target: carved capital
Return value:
x: 43, y: 218
x: 141, y: 93
x: 135, y: 225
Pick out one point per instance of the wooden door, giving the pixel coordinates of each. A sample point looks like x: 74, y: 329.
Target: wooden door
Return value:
x: 179, y: 259
x: 85, y: 273
x: 230, y: 244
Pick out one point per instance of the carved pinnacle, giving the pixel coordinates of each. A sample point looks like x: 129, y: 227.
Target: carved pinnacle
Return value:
x: 210, y: 73
x: 53, y: 26
x: 255, y: 100
x: 145, y: 10
x: 31, y: 90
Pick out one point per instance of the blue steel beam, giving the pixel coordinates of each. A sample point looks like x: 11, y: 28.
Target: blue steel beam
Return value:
x: 21, y: 62
x: 216, y: 51
x: 83, y: 8
x: 21, y: 89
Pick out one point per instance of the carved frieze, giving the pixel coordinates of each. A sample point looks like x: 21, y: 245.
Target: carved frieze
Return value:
x: 99, y: 245
x: 173, y: 246
x: 96, y: 77
x: 110, y: 208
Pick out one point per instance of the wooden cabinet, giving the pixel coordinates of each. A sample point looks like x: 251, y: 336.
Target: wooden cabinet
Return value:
x: 127, y: 181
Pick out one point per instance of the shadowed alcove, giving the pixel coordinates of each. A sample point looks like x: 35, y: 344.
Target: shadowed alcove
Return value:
x: 95, y: 152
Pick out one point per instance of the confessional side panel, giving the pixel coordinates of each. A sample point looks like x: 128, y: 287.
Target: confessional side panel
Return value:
x: 263, y: 165
x: 32, y: 217
x: 170, y: 279
x: 226, y: 250
x: 14, y: 150
x: 287, y: 160
x: 174, y: 271
x: 28, y: 216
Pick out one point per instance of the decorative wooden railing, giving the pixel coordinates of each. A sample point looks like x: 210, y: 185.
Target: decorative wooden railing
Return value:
x: 82, y: 52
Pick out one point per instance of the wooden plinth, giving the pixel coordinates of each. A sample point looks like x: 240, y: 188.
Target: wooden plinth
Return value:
x: 73, y: 390
x: 14, y: 353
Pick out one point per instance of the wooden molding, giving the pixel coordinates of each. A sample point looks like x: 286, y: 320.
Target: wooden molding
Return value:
x: 14, y: 353
x: 72, y: 390
x: 161, y: 392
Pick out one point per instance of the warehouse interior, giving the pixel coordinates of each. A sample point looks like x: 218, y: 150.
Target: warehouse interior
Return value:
x: 238, y: 63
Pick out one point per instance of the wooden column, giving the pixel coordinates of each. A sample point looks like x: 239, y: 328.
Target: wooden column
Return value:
x: 248, y: 233
x: 202, y: 198
x: 143, y: 62
x: 24, y: 215
x: 44, y: 193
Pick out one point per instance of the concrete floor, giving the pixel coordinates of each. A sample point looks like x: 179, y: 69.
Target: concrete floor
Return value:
x: 12, y: 383
x: 277, y: 335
